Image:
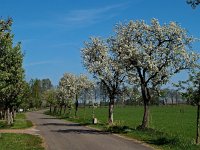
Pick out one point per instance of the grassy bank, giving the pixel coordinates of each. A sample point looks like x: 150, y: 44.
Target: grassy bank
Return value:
x: 12, y: 141
x: 20, y: 122
x: 171, y: 127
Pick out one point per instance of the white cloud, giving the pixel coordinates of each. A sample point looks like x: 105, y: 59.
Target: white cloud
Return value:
x: 41, y: 63
x: 90, y: 16
x: 77, y: 18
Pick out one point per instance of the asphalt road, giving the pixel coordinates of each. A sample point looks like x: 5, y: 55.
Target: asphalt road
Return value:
x: 63, y: 135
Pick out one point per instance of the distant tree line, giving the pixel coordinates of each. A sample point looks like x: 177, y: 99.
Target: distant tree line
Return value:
x: 35, y: 91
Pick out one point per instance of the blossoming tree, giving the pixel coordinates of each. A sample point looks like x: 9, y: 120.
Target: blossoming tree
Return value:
x: 99, y: 60
x: 65, y: 92
x: 152, y: 54
x: 70, y: 88
x: 83, y: 84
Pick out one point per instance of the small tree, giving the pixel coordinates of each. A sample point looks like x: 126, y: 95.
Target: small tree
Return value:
x: 71, y: 87
x: 66, y: 91
x: 152, y: 54
x: 46, y: 84
x: 83, y: 84
x: 99, y: 60
x: 50, y: 97
x: 192, y: 91
x: 36, y: 93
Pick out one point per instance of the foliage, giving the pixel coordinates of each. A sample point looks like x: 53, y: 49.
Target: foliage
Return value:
x: 66, y: 90
x: 193, y: 3
x: 148, y: 54
x: 36, y: 92
x: 25, y: 97
x: 46, y: 84
x: 70, y: 89
x: 152, y: 54
x: 99, y: 60
x: 11, y: 71
x: 190, y: 87
x: 171, y: 96
x: 50, y: 96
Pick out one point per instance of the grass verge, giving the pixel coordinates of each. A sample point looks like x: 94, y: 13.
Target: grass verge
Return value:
x: 12, y: 141
x: 20, y: 122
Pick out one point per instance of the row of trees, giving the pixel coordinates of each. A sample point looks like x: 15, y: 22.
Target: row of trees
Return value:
x: 70, y: 90
x: 140, y: 55
x: 12, y: 81
x: 15, y: 92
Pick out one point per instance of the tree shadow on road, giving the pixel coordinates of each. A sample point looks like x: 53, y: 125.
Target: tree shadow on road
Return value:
x: 81, y: 131
x: 48, y: 118
x: 61, y: 124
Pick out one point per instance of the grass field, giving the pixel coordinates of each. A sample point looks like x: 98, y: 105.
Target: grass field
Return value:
x: 12, y: 141
x: 20, y: 123
x: 171, y: 127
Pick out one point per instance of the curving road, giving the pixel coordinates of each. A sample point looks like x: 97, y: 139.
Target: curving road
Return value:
x: 63, y: 135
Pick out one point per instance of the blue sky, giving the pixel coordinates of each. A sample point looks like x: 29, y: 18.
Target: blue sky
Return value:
x: 52, y: 32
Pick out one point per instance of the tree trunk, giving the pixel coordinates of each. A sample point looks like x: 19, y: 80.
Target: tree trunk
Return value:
x: 50, y: 110
x: 110, y: 111
x: 65, y: 107
x: 5, y: 114
x: 146, y: 98
x: 176, y: 98
x: 84, y: 113
x: 69, y: 111
x: 2, y: 114
x: 76, y: 106
x: 60, y: 110
x: 172, y: 100
x: 11, y: 118
x: 198, y: 124
x: 198, y: 118
x: 8, y: 118
x: 145, y: 120
x: 13, y: 113
x: 55, y: 109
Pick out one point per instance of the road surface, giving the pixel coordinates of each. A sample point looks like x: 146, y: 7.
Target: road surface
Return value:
x: 63, y: 135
